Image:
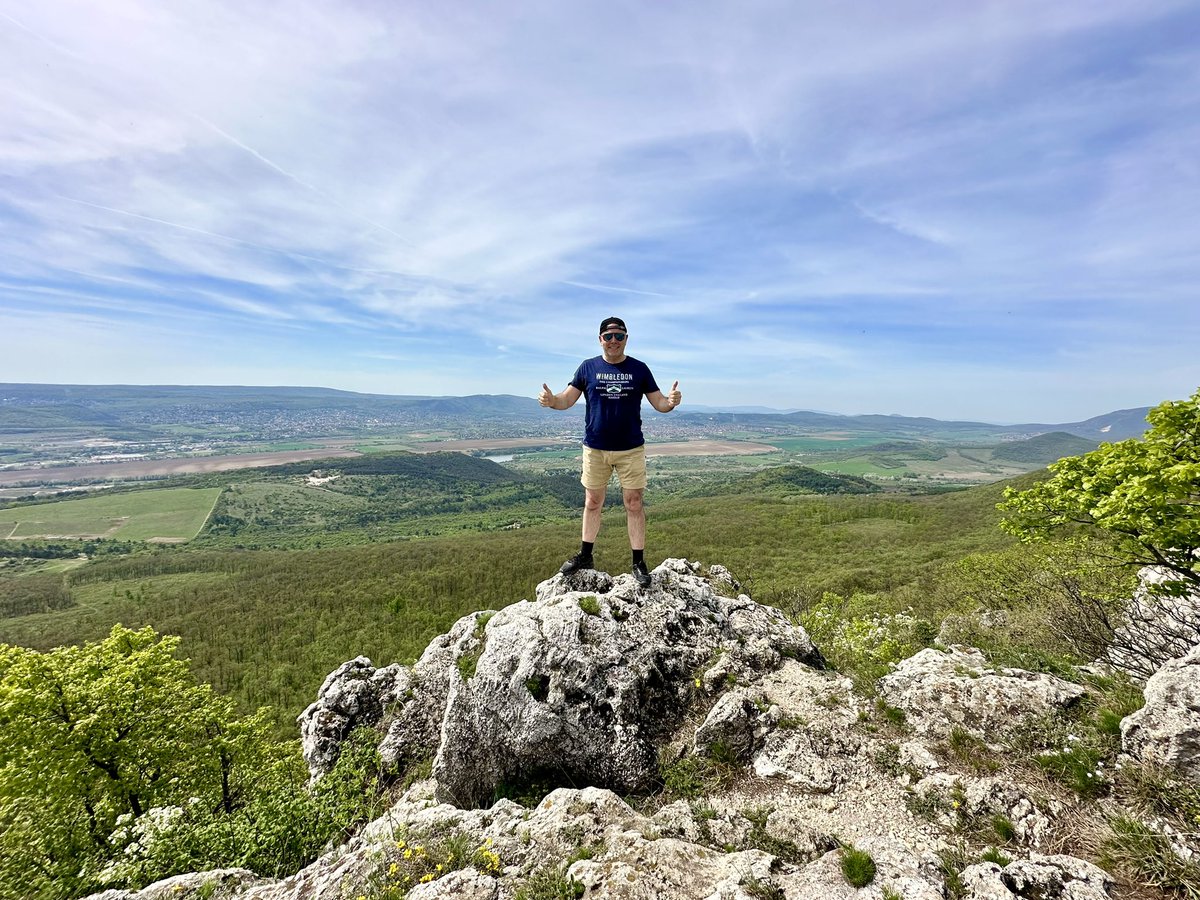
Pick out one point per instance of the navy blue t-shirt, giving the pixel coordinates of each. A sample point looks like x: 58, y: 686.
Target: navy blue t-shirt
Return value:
x: 613, y: 393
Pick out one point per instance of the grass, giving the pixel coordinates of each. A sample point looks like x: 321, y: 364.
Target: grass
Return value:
x: 167, y: 514
x: 858, y: 868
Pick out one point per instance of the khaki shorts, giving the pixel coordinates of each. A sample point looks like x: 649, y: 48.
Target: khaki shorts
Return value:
x: 598, y: 466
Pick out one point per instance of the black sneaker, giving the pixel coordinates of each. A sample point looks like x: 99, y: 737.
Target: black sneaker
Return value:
x: 579, y: 561
x: 641, y: 574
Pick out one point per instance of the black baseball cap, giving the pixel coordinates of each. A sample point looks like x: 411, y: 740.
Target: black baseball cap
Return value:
x: 611, y: 321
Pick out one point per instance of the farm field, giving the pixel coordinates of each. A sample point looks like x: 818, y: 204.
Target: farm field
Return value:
x: 163, y: 468
x: 171, y: 515
x: 707, y: 448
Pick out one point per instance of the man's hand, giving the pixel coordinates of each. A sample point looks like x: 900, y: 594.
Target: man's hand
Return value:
x: 546, y: 397
x: 673, y: 395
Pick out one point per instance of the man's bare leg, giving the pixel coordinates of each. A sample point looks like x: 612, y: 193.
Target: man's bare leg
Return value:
x: 635, y: 517
x: 593, y: 506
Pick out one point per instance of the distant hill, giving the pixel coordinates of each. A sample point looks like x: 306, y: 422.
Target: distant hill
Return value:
x: 1044, y: 449
x: 60, y: 404
x: 1114, y: 426
x: 134, y: 409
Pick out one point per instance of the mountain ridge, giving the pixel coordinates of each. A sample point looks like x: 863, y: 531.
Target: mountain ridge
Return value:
x: 93, y: 400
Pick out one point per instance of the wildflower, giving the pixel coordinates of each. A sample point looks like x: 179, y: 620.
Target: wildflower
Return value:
x: 426, y: 878
x: 408, y: 853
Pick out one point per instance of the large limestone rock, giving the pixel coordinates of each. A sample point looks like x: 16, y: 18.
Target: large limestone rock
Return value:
x: 1166, y: 731
x: 1059, y: 877
x: 353, y: 694
x: 1156, y: 626
x: 582, y: 685
x: 940, y: 690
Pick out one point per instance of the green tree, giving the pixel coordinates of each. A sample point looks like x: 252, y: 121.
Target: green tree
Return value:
x: 1143, y: 495
x: 98, y: 735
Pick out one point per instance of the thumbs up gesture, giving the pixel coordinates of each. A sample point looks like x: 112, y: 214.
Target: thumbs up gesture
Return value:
x: 546, y: 397
x: 674, y: 396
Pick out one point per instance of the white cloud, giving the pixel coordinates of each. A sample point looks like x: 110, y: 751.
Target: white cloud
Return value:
x: 429, y: 173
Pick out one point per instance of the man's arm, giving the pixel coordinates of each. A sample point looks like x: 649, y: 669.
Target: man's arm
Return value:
x: 564, y: 400
x: 664, y: 403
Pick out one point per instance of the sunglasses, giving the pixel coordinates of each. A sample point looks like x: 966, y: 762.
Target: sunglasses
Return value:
x: 613, y: 337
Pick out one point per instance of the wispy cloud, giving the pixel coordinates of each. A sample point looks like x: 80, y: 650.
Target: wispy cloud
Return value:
x: 927, y: 206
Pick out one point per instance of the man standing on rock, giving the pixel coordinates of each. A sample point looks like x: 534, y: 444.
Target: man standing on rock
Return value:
x: 613, y: 385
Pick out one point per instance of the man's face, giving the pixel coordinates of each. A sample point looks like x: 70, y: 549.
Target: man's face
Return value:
x: 613, y: 341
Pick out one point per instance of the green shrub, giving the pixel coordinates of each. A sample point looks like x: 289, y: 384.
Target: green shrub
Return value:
x: 992, y: 855
x: 893, y: 715
x: 859, y: 641
x: 760, y: 839
x: 858, y: 868
x: 187, y: 786
x: 690, y: 777
x: 1079, y: 767
x: 951, y: 863
x: 1002, y: 826
x: 590, y: 605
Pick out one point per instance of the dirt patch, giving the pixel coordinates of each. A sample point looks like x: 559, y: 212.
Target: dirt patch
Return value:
x: 161, y: 468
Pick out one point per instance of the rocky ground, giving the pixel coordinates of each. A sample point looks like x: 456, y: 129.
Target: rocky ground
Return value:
x: 706, y: 751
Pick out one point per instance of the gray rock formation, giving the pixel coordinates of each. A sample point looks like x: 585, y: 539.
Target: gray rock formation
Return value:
x: 940, y: 690
x: 581, y: 686
x: 1060, y: 877
x: 1166, y: 731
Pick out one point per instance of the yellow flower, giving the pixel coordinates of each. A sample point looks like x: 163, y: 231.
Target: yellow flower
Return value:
x: 427, y: 877
x: 408, y: 853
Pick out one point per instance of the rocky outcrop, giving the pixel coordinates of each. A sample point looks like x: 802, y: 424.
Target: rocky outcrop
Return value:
x: 940, y: 690
x: 1166, y: 731
x: 583, y: 685
x: 597, y: 682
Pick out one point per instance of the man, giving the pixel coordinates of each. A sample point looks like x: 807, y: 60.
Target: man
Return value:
x: 612, y: 386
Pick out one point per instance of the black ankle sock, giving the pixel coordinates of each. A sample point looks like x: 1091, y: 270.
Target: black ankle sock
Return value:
x: 637, y: 556
x: 585, y: 547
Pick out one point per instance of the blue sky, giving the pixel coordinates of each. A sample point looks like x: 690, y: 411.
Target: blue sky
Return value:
x: 983, y: 210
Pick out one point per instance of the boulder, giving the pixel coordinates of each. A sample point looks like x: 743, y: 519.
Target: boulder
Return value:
x: 1058, y: 877
x: 940, y: 690
x: 352, y: 695
x: 1166, y: 731
x: 581, y: 686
